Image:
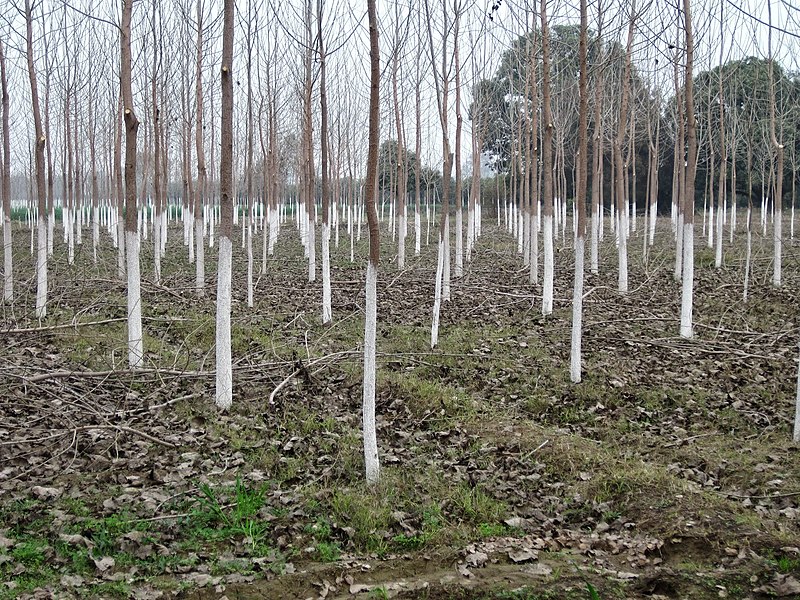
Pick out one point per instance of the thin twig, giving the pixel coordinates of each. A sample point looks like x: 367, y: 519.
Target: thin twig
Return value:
x: 689, y: 439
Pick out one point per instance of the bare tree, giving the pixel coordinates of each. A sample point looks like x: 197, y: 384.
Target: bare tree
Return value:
x: 5, y: 187
x: 135, y: 342
x: 547, y: 167
x: 580, y: 200
x: 41, y: 246
x: 777, y: 145
x: 441, y: 80
x: 326, y: 205
x: 691, y: 166
x: 224, y: 381
x: 202, y: 173
x: 371, y: 462
x: 620, y: 201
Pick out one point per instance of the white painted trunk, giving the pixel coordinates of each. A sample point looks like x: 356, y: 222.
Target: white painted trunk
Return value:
x: 687, y: 288
x: 95, y: 232
x: 249, y: 227
x: 8, y: 273
x: 417, y: 233
x: 777, y: 248
x: 51, y: 228
x: 747, y: 256
x: 326, y: 274
x: 718, y: 244
x: 653, y: 216
x: 437, y: 295
x: 352, y: 247
x: 622, y: 251
x: 135, y: 340
x: 312, y: 250
x: 273, y: 231
x: 200, y: 258
x: 66, y: 222
x: 41, y: 269
x: 401, y: 242
x: 336, y: 224
x: 594, y: 251
x: 577, y: 313
x: 679, y: 249
x: 446, y: 272
x: 710, y: 236
x: 70, y: 239
x: 470, y: 233
x: 459, y: 270
x: 265, y: 226
x: 224, y: 381
x: 157, y: 231
x: 533, y: 276
x: 526, y: 235
x: 427, y: 223
x: 547, y: 284
x: 371, y: 462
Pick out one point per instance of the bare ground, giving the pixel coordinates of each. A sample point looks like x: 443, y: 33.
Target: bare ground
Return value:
x: 668, y: 472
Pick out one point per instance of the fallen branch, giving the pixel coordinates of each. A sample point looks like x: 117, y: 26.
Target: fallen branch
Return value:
x: 302, y: 368
x: 75, y: 430
x: 689, y: 439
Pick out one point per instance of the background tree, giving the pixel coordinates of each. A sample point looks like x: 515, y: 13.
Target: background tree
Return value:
x: 41, y: 246
x: 5, y: 185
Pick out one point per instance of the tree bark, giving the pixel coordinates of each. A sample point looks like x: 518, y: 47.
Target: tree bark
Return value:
x: 691, y: 166
x: 135, y: 342
x: 5, y: 188
x: 580, y: 200
x: 41, y: 247
x: 371, y: 462
x: 224, y: 379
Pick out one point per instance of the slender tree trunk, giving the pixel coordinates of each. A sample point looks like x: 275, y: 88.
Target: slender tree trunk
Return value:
x: 5, y: 188
x: 458, y: 195
x: 777, y: 200
x: 119, y: 208
x: 200, y: 191
x: 41, y: 247
x: 135, y: 342
x: 224, y: 380
x: 691, y: 166
x: 547, y: 167
x: 326, y: 205
x: 580, y: 200
x: 597, y: 164
x: 371, y: 462
x: 620, y: 201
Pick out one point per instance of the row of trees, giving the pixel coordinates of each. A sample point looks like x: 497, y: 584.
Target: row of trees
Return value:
x: 554, y: 88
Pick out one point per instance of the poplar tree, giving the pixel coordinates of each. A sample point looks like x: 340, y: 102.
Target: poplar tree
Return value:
x: 224, y: 380
x: 371, y: 462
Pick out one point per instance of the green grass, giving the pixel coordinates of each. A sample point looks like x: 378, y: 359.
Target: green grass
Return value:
x: 214, y: 520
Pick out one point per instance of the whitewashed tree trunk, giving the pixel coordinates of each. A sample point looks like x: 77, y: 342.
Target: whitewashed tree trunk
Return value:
x: 437, y: 295
x: 135, y: 340
x: 327, y: 311
x: 549, y: 266
x: 371, y: 461
x: 199, y: 257
x: 688, y: 280
x: 224, y: 379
